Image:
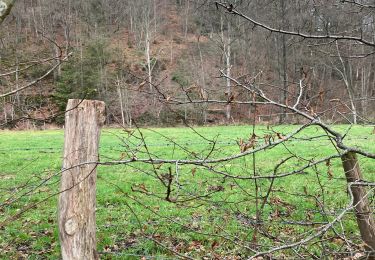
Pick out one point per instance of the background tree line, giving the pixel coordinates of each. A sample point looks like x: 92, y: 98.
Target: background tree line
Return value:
x: 123, y: 51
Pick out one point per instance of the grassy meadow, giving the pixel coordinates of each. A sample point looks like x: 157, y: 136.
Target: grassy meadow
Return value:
x: 210, y: 216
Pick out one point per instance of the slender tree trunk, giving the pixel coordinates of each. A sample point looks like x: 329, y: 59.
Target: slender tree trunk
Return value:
x: 5, y: 111
x: 185, y: 109
x: 363, y: 211
x: 128, y: 108
x: 121, y: 103
x: 186, y: 18
x: 283, y: 115
x: 228, y: 71
x: 148, y: 60
x: 155, y: 17
x: 203, y: 85
x: 348, y: 84
x: 227, y: 58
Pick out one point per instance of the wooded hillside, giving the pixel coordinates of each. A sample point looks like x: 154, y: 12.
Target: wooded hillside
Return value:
x: 158, y: 62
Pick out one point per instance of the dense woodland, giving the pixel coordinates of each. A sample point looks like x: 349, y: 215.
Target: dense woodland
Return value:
x: 158, y: 62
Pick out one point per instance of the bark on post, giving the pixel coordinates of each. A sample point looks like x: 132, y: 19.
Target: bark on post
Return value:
x: 77, y: 200
x: 363, y: 211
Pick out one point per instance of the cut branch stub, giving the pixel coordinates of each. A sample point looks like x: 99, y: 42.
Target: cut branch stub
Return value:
x: 77, y: 200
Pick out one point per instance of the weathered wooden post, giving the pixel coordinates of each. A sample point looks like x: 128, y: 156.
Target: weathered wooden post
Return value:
x: 77, y: 200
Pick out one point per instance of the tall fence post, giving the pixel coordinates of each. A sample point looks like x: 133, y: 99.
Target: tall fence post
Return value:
x: 77, y: 199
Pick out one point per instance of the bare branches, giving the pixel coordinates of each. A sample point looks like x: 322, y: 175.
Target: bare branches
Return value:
x: 29, y: 65
x: 300, y: 93
x: 32, y: 83
x: 234, y: 11
x: 319, y: 232
x: 313, y: 118
x: 358, y: 3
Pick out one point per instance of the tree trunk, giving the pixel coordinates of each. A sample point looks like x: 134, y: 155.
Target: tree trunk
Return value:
x: 203, y: 85
x: 346, y: 76
x: 77, y: 228
x: 228, y: 71
x: 363, y: 211
x: 121, y: 103
x: 148, y: 60
x: 283, y: 115
x: 227, y: 57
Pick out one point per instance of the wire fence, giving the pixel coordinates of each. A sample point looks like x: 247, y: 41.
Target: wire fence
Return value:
x: 215, y: 195
x: 171, y: 144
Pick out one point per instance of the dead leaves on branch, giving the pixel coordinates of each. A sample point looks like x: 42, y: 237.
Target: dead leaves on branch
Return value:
x: 246, y: 145
x: 282, y: 207
x: 193, y: 171
x: 329, y: 169
x: 140, y: 188
x: 253, y: 140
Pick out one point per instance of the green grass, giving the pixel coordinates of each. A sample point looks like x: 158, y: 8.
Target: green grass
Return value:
x: 216, y: 225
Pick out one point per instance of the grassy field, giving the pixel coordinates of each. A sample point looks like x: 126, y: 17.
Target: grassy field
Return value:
x: 214, y: 216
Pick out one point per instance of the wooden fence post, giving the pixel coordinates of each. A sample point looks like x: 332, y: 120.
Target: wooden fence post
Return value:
x: 77, y: 200
x: 363, y: 210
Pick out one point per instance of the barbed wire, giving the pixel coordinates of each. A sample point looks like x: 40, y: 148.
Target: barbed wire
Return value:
x: 166, y: 144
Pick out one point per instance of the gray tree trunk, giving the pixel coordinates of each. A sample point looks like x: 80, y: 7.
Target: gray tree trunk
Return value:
x: 363, y: 211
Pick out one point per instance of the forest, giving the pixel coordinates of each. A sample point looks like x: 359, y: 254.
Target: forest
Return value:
x: 156, y: 62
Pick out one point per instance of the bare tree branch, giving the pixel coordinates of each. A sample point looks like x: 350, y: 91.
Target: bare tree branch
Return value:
x: 36, y: 80
x: 230, y: 9
x: 323, y: 229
